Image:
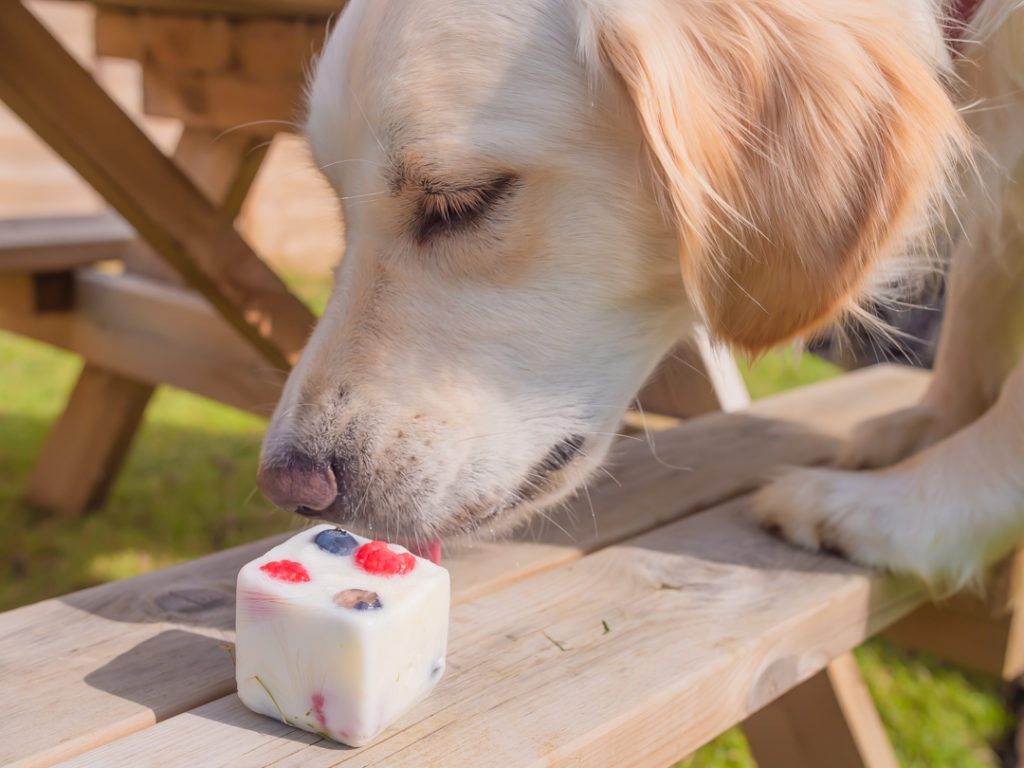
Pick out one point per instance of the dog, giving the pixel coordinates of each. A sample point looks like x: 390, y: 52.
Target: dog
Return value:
x: 541, y: 198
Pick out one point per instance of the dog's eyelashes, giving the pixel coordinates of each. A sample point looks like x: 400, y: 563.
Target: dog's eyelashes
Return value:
x: 446, y: 210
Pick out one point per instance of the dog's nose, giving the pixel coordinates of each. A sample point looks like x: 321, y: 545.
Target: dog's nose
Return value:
x: 298, y: 483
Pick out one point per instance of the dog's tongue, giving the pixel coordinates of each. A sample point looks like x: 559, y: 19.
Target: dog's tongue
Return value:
x: 431, y: 550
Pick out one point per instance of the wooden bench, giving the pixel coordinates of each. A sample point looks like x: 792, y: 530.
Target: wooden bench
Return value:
x: 640, y: 623
x: 48, y: 244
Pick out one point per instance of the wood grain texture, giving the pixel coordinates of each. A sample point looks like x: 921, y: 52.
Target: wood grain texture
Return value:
x: 155, y: 333
x: 710, y: 619
x: 828, y: 720
x: 83, y: 125
x: 107, y: 661
x: 701, y: 463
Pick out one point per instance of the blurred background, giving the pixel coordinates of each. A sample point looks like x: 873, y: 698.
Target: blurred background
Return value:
x: 188, y: 487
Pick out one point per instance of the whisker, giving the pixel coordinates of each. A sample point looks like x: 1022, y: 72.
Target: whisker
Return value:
x: 650, y: 441
x: 590, y: 503
x: 366, y: 195
x: 351, y: 160
x: 253, y: 123
x: 555, y: 523
x: 373, y: 133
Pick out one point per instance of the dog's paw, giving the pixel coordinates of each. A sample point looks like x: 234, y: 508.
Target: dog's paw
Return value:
x: 826, y: 510
x: 897, y: 520
x: 893, y: 437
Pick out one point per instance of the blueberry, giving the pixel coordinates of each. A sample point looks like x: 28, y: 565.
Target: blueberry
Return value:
x: 357, y: 599
x: 337, y: 542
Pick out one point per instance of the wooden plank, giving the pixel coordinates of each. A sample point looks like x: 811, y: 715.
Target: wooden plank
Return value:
x: 118, y: 34
x: 186, y: 43
x: 264, y: 47
x: 106, y: 633
x: 226, y: 100
x: 223, y: 168
x: 154, y: 333
x: 709, y: 620
x: 272, y: 48
x: 721, y: 455
x: 829, y: 720
x: 79, y: 120
x: 49, y: 244
x: 88, y: 442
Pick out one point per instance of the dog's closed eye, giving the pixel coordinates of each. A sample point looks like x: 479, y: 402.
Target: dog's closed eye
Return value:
x: 444, y: 210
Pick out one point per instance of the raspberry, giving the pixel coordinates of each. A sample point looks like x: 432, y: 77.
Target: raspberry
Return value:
x: 375, y: 557
x: 286, y: 570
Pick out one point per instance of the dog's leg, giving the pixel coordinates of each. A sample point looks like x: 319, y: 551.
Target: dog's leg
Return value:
x: 949, y: 510
x: 980, y: 342
x: 984, y: 324
x: 941, y: 515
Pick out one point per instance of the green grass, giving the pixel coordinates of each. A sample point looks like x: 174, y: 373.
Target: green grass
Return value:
x: 188, y: 489
x: 784, y: 370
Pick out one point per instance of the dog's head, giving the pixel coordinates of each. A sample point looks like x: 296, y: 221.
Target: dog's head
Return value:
x: 540, y: 198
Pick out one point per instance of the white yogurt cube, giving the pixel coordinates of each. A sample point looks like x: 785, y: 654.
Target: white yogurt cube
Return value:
x: 339, y: 635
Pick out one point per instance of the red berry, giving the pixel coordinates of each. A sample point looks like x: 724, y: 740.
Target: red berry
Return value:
x: 286, y: 570
x: 317, y: 709
x: 375, y: 557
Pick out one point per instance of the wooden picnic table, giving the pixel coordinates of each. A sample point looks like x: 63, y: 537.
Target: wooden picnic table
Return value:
x: 710, y: 623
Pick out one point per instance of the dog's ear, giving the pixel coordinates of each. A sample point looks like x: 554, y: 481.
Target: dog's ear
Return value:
x: 793, y: 144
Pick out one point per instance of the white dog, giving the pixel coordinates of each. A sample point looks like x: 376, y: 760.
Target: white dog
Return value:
x: 541, y: 197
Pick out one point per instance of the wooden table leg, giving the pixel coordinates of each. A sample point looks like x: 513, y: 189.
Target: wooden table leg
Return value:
x: 87, y: 444
x: 829, y: 720
x: 984, y: 633
x: 90, y: 440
